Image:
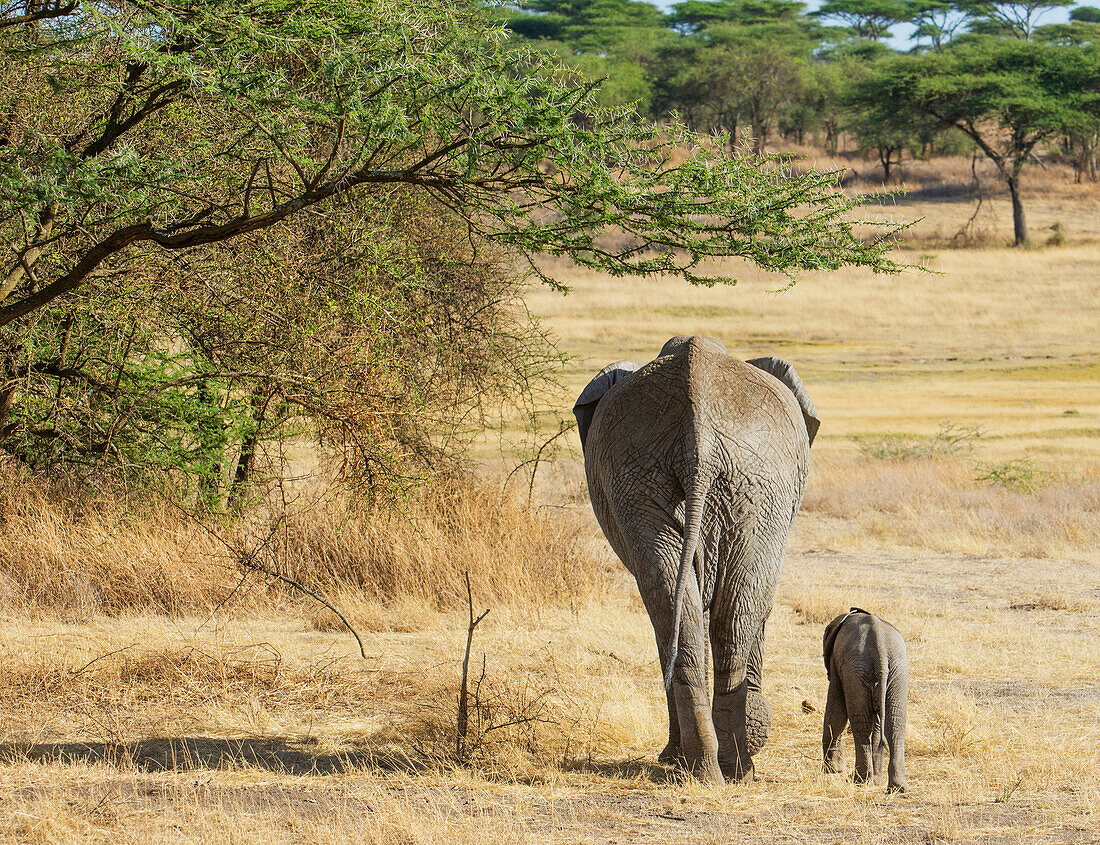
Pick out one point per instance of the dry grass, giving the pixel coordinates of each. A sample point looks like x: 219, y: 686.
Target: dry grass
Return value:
x: 936, y: 504
x: 135, y: 708
x: 77, y: 553
x: 195, y: 731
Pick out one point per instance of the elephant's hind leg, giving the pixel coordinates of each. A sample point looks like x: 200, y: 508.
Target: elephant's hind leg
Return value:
x: 743, y: 598
x: 861, y: 718
x: 729, y: 714
x: 878, y: 753
x: 698, y: 739
x: 672, y: 752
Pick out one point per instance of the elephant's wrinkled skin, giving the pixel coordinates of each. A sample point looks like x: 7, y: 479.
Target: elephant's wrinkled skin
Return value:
x: 868, y: 686
x: 696, y: 465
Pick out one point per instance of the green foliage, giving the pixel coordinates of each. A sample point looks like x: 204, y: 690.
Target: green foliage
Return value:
x: 96, y: 385
x: 610, y: 41
x: 374, y: 329
x: 1074, y: 34
x: 695, y: 15
x: 1020, y: 475
x: 730, y: 73
x: 586, y: 26
x: 1085, y: 14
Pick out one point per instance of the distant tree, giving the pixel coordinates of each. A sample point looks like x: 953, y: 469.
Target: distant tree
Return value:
x: 694, y: 15
x: 1003, y: 17
x: 700, y: 81
x: 1072, y: 34
x: 1085, y: 14
x: 586, y: 25
x: 888, y: 140
x: 1006, y: 95
x: 613, y: 41
x: 869, y: 19
x: 936, y: 20
x: 729, y: 73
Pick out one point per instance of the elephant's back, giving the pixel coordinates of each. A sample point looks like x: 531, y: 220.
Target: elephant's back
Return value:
x: 753, y: 413
x: 700, y: 406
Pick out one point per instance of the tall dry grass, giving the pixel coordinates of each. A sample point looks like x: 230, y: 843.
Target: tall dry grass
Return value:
x: 939, y: 504
x: 77, y: 551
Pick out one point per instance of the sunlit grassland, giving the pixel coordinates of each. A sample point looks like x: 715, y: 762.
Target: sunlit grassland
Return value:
x: 256, y: 719
x: 1004, y: 340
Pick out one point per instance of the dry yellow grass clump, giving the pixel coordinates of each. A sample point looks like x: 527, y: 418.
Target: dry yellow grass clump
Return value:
x: 80, y: 552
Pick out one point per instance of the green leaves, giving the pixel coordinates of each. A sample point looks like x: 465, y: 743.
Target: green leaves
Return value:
x: 227, y: 179
x: 197, y: 123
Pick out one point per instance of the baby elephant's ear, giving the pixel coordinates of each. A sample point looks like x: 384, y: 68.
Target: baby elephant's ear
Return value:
x: 786, y: 374
x: 828, y: 640
x: 585, y: 406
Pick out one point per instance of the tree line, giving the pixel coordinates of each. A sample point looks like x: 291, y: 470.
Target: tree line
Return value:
x: 978, y: 75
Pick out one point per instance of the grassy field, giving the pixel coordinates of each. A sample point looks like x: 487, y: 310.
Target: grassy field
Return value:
x: 955, y: 490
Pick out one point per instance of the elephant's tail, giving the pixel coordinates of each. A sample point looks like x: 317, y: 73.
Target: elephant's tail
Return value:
x: 695, y: 496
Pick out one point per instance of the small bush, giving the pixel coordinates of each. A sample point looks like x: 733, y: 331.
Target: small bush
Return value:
x: 951, y: 439
x: 1020, y: 475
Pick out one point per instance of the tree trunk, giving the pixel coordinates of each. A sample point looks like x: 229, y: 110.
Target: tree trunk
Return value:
x: 884, y: 156
x: 761, y: 132
x: 1019, y: 224
x: 210, y: 485
x: 242, y: 476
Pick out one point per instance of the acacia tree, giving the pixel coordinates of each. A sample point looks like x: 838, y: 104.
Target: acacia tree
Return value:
x: 1007, y: 95
x: 142, y: 140
x: 869, y: 19
x: 936, y: 20
x: 197, y: 123
x: 1010, y: 17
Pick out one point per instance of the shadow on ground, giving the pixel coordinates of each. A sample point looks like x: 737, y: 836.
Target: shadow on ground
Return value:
x: 282, y: 755
x: 286, y: 756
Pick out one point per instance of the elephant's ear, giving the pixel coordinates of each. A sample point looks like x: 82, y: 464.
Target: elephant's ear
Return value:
x: 585, y: 406
x: 786, y: 374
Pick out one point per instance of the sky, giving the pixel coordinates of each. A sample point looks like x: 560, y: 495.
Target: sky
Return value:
x: 901, y: 32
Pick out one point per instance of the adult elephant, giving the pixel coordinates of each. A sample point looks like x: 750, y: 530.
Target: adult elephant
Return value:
x: 696, y: 464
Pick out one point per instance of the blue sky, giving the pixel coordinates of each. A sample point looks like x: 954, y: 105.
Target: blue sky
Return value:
x: 902, y: 31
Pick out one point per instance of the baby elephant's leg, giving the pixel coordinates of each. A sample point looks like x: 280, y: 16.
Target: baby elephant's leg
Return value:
x: 895, y: 730
x: 836, y: 718
x: 878, y: 753
x: 861, y: 716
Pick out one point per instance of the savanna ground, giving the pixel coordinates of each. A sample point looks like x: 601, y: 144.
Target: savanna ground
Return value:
x: 955, y: 490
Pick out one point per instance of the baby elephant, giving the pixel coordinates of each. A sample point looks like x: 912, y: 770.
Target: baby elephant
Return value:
x: 868, y: 686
